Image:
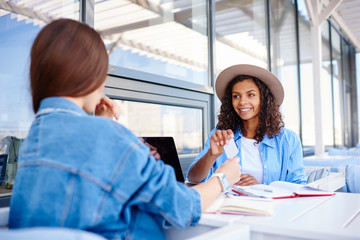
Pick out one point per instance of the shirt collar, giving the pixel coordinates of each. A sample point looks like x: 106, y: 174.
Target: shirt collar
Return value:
x: 266, y: 140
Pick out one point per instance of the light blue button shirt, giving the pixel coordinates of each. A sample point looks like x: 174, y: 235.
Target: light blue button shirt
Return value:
x: 281, y: 156
x: 91, y: 173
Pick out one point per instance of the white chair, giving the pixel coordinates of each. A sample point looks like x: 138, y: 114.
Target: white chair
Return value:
x: 42, y: 233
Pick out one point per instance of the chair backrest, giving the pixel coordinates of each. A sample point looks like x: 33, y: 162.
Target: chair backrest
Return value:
x: 352, y: 178
x: 46, y: 233
x: 4, y: 216
x: 41, y: 233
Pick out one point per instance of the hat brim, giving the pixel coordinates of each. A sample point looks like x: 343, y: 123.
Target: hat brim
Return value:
x: 228, y: 74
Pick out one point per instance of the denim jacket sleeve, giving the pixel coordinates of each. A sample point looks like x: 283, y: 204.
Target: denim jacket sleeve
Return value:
x: 154, y: 188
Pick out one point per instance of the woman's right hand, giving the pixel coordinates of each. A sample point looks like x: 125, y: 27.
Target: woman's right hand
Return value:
x: 218, y: 140
x: 232, y: 169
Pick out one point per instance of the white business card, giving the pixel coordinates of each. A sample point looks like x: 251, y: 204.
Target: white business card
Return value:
x: 231, y: 150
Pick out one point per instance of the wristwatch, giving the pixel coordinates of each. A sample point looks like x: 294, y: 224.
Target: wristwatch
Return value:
x: 223, y: 180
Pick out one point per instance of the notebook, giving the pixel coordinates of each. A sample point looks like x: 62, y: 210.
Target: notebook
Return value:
x: 280, y: 189
x: 165, y: 147
x: 250, y: 206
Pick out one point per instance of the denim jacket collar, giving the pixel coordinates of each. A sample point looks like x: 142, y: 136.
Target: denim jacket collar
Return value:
x: 59, y: 104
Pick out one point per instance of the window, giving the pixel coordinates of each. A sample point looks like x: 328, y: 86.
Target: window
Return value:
x: 346, y: 79
x: 167, y: 38
x: 284, y: 59
x: 20, y: 22
x: 326, y: 88
x: 306, y: 80
x: 240, y: 35
x: 357, y: 63
x: 338, y: 86
x: 149, y: 109
x: 148, y: 119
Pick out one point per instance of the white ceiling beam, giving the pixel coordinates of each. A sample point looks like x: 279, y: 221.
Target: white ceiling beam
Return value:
x: 328, y: 10
x: 311, y: 12
x: 345, y: 29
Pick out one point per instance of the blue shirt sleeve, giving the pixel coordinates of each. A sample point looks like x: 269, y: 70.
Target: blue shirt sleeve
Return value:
x: 200, y: 155
x: 295, y: 165
x: 220, y: 160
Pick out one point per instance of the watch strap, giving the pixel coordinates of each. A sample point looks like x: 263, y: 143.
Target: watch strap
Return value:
x: 223, y: 181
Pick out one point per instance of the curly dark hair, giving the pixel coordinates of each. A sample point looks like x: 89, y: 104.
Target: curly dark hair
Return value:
x: 270, y: 118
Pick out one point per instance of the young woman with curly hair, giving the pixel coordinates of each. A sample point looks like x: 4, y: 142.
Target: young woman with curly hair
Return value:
x: 251, y: 97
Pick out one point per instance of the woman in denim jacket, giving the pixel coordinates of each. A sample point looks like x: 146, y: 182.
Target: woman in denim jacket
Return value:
x: 250, y: 114
x: 87, y: 172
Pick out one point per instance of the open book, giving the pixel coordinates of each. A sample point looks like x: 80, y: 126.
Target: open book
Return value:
x: 280, y: 189
x: 242, y: 205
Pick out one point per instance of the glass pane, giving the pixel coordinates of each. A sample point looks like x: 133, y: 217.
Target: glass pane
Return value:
x: 240, y: 36
x: 150, y: 120
x: 306, y: 77
x: 337, y: 82
x: 346, y: 70
x: 357, y: 64
x: 240, y: 33
x: 284, y: 58
x: 20, y: 22
x: 326, y: 88
x: 167, y: 38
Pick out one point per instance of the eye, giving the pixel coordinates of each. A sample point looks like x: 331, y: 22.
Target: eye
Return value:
x: 251, y: 95
x: 235, y: 96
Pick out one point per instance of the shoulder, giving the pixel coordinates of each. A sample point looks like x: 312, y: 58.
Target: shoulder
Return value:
x: 112, y: 133
x: 289, y: 133
x: 288, y: 136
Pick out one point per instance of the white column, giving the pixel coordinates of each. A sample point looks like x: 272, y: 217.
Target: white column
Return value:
x: 314, y: 9
x: 317, y: 65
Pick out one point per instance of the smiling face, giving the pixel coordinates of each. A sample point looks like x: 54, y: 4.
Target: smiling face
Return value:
x: 246, y: 100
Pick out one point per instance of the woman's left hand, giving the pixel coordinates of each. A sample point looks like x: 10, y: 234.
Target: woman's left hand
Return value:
x: 247, y: 180
x: 108, y: 108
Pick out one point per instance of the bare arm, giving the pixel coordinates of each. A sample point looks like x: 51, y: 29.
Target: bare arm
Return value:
x: 212, y: 188
x: 201, y: 168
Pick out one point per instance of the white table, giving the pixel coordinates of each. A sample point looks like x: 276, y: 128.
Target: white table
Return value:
x: 334, y: 217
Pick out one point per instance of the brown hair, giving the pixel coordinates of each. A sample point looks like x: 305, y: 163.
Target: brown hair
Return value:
x: 270, y: 118
x: 68, y: 58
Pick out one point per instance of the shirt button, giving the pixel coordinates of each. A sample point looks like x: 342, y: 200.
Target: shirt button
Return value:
x: 264, y: 166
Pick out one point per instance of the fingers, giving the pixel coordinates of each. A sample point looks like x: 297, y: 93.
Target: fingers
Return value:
x: 221, y: 137
x: 108, y: 108
x: 115, y: 109
x: 247, y: 180
x: 106, y: 100
x: 236, y: 159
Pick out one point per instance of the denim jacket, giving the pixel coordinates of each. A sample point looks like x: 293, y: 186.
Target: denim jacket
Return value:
x: 91, y: 173
x: 281, y: 157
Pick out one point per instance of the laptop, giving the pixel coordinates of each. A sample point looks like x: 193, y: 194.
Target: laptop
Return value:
x: 165, y: 147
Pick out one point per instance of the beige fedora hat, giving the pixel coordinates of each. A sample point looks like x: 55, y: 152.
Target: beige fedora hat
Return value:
x: 228, y: 74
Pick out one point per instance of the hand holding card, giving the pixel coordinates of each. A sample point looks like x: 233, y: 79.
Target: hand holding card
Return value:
x: 231, y: 150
